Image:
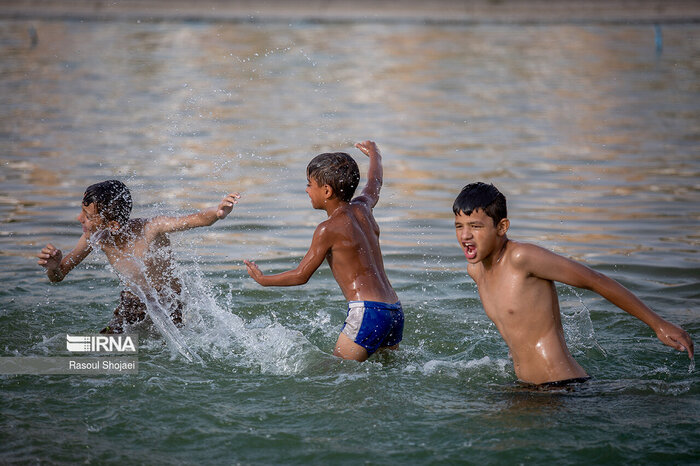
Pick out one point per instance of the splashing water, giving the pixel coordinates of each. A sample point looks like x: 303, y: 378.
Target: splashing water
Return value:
x: 132, y: 273
x: 579, y: 327
x: 261, y: 344
x: 161, y: 319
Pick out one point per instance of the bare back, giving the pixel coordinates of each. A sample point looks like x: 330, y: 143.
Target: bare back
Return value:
x: 525, y: 309
x: 354, y: 256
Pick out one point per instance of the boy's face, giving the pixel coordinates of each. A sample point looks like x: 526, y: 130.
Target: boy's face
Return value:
x: 477, y: 235
x: 316, y: 193
x: 90, y: 219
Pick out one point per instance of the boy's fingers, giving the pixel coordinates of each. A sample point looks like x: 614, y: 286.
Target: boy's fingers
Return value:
x: 689, y: 347
x: 683, y: 343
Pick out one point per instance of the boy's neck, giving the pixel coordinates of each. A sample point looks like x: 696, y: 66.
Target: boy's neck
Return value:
x: 113, y: 238
x: 498, y: 253
x: 332, y: 205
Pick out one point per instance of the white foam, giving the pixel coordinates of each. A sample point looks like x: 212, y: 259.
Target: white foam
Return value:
x: 217, y: 333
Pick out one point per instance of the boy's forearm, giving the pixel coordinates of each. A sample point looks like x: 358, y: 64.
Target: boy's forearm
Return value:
x: 627, y: 301
x: 203, y: 218
x: 67, y: 264
x: 669, y: 333
x: 208, y: 216
x: 375, y: 172
x: 290, y: 278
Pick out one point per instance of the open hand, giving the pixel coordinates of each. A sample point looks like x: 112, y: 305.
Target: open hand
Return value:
x: 226, y: 206
x: 675, y: 337
x: 368, y: 148
x: 50, y: 257
x: 253, y: 270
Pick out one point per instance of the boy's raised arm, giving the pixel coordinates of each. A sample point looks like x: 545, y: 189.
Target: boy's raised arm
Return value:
x: 375, y: 174
x: 57, y: 266
x: 203, y: 218
x: 550, y: 266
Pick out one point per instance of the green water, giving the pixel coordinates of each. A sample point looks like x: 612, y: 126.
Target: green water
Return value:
x: 590, y: 132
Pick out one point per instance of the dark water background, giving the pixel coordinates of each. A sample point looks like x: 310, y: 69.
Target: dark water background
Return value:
x: 590, y: 131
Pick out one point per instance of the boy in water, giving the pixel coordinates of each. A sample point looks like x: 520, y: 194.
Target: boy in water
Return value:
x: 516, y: 286
x: 138, y: 249
x: 349, y: 240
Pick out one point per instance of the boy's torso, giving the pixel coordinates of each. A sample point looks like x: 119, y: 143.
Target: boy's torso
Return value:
x: 525, y: 309
x: 355, y: 256
x: 141, y: 260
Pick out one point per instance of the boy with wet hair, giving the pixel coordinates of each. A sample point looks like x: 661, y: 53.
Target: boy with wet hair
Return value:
x: 138, y: 249
x: 349, y: 241
x: 516, y: 286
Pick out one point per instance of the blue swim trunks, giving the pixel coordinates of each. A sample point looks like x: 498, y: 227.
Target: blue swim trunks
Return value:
x: 372, y: 324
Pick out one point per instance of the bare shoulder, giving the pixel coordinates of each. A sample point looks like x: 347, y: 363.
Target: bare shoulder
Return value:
x: 520, y: 254
x: 136, y: 226
x: 336, y: 223
x: 325, y: 227
x: 362, y: 200
x: 141, y: 229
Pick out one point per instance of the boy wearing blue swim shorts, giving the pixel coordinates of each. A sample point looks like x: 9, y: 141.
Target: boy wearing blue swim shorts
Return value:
x: 349, y: 240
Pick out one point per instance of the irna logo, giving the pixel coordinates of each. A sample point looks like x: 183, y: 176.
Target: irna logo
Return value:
x: 101, y: 343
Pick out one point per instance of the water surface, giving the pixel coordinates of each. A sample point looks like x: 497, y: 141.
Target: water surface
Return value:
x: 590, y: 132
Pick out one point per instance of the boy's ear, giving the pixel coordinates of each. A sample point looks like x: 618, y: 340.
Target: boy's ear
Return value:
x: 502, y: 226
x: 328, y: 192
x: 113, y: 226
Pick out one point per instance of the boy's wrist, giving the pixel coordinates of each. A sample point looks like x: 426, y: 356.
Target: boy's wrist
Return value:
x: 55, y: 274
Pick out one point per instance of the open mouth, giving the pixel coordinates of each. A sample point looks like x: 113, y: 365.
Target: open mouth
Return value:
x: 469, y: 251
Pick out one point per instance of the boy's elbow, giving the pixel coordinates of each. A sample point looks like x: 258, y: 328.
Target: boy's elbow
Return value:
x: 302, y: 280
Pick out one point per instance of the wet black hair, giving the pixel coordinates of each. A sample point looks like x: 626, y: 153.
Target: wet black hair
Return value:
x: 112, y: 200
x: 338, y: 170
x: 482, y: 196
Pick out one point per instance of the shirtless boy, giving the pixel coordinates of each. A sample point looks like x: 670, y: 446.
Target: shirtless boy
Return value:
x: 516, y: 286
x: 349, y: 240
x: 138, y: 249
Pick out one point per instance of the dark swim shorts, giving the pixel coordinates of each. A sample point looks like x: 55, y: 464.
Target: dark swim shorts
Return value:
x: 567, y: 384
x: 132, y: 310
x: 373, y: 325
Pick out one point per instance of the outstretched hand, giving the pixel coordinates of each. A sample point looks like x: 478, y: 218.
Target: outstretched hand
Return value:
x: 368, y: 148
x: 675, y: 337
x: 253, y: 270
x: 50, y: 257
x: 226, y: 206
